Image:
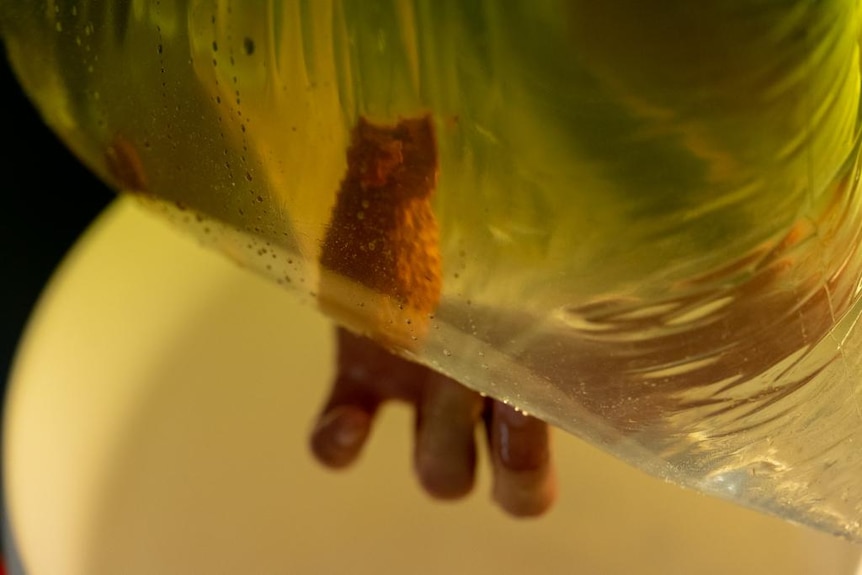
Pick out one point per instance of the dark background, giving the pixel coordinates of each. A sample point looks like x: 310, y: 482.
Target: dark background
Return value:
x: 48, y: 199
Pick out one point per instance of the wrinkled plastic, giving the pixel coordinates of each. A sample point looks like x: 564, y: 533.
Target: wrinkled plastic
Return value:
x: 638, y: 222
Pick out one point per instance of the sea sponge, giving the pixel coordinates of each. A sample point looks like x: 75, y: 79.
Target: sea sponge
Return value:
x: 380, y: 259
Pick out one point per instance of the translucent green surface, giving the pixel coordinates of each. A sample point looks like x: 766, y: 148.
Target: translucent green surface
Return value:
x: 648, y: 216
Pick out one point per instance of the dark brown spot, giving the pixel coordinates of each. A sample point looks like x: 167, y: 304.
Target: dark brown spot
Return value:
x: 125, y: 166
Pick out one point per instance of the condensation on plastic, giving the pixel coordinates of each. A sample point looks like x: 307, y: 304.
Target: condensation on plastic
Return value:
x: 646, y: 218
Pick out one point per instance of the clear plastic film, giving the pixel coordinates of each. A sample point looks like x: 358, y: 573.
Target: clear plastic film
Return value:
x: 640, y: 223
